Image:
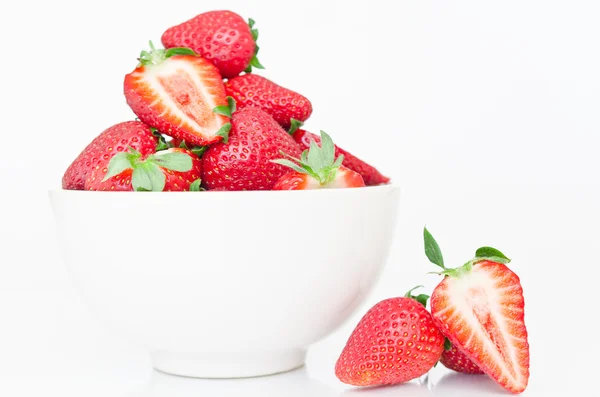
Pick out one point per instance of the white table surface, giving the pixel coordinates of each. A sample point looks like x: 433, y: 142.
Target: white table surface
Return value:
x: 51, y: 345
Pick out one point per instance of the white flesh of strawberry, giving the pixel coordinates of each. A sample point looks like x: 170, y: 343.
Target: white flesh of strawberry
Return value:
x: 475, y: 296
x: 170, y: 67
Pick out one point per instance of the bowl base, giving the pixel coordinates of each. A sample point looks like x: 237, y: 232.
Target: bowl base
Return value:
x: 228, y: 365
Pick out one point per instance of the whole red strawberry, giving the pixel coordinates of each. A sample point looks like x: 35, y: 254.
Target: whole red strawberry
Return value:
x: 244, y: 163
x: 282, y: 104
x: 369, y: 173
x: 222, y: 37
x: 180, y: 94
x: 453, y: 359
x: 394, y: 342
x: 480, y: 308
x: 166, y: 170
x: 116, y: 139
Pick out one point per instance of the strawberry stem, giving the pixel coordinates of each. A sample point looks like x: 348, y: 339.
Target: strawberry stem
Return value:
x: 434, y: 254
x: 421, y: 298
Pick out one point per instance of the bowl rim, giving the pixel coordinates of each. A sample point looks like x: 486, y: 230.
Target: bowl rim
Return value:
x: 380, y: 188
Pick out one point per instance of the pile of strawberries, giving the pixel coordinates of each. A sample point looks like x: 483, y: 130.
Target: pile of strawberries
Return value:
x: 476, y: 326
x: 228, y: 130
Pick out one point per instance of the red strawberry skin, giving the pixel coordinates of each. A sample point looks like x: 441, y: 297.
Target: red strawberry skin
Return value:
x: 174, y: 180
x: 455, y: 360
x: 394, y: 342
x: 99, y: 152
x: 244, y: 163
x: 222, y: 37
x: 177, y: 97
x: 345, y: 178
x: 482, y: 313
x: 282, y: 104
x: 369, y: 173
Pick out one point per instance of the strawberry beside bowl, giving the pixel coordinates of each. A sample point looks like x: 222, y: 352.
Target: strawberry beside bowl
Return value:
x: 226, y: 284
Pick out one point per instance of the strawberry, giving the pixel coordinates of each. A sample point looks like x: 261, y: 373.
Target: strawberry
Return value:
x: 282, y: 104
x: 222, y: 37
x: 166, y: 170
x: 370, y: 175
x: 180, y: 94
x: 453, y: 359
x: 98, y: 153
x: 317, y: 169
x: 480, y: 308
x: 394, y: 342
x: 244, y: 163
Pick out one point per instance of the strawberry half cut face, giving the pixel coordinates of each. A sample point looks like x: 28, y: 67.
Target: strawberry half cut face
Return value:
x: 176, y: 92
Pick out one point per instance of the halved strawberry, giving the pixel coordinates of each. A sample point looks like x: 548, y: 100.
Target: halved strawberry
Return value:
x: 480, y: 307
x: 317, y: 169
x: 176, y: 92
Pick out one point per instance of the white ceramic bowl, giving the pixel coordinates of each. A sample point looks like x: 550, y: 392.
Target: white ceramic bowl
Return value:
x: 226, y: 284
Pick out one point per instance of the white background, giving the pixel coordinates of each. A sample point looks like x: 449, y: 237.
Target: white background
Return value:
x: 486, y: 113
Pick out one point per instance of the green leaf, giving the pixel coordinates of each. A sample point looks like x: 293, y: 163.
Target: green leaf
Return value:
x: 224, y: 132
x: 294, y: 125
x: 290, y: 164
x: 195, y: 186
x: 199, y: 150
x: 255, y: 63
x: 432, y: 249
x: 148, y: 176
x: 422, y: 299
x: 447, y: 344
x: 183, y: 145
x: 315, y: 159
x: 179, y: 51
x: 304, y: 157
x: 489, y: 253
x: 223, y: 110
x: 175, y: 161
x: 226, y: 110
x: 161, y: 142
x: 327, y: 148
x: 338, y: 161
x: 118, y: 163
x: 251, y: 22
x: 232, y: 104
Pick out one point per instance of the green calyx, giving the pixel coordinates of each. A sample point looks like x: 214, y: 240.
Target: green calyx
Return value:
x: 157, y: 55
x: 161, y: 142
x: 226, y: 110
x: 197, y: 150
x: 421, y: 298
x: 254, y: 62
x: 147, y: 172
x: 224, y: 132
x: 294, y: 125
x: 319, y: 161
x: 434, y: 254
x: 196, y: 186
x: 447, y: 344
